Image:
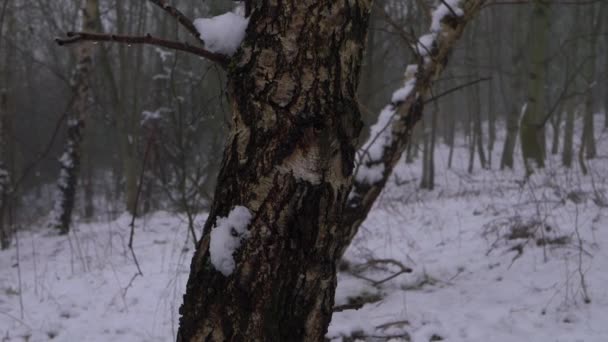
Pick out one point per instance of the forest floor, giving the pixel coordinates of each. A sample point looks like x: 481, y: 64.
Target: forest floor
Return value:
x: 494, y: 258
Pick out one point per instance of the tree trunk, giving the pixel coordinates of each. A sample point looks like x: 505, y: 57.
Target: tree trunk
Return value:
x: 451, y: 139
x: 591, y: 79
x: 70, y: 160
x: 532, y: 131
x: 5, y: 182
x: 288, y: 160
x: 555, y: 125
x: 605, y: 11
x: 567, y: 150
x: 426, y: 145
x: 431, y: 157
x: 507, y: 160
x: 88, y: 176
x: 514, y: 112
x: 5, y: 122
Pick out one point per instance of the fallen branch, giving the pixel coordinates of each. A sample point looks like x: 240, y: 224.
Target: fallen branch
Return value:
x: 373, y: 263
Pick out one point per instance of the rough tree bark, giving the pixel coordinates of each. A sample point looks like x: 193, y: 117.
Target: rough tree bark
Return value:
x: 80, y: 108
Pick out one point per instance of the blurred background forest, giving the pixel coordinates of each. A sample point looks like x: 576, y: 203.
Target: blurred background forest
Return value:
x: 173, y: 105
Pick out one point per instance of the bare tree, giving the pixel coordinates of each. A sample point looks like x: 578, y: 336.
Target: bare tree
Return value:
x: 287, y: 203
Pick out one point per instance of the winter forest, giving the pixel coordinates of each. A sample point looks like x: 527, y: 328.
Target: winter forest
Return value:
x: 304, y: 170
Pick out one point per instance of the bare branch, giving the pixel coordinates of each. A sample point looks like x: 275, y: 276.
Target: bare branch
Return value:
x: 74, y: 37
x: 408, y: 111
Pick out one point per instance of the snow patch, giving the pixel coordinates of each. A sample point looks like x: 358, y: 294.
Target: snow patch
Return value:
x: 227, y: 236
x: 442, y: 11
x: 425, y: 44
x: 369, y: 170
x: 402, y: 93
x: 223, y: 33
x: 152, y: 115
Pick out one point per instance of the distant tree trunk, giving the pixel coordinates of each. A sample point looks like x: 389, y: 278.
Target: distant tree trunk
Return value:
x: 451, y: 139
x: 491, y: 124
x: 431, y: 157
x: 5, y: 182
x: 428, y: 155
x: 512, y: 115
x: 494, y: 60
x: 473, y: 110
x: 5, y: 121
x: 556, y: 123
x: 507, y: 160
x: 471, y: 137
x: 79, y: 111
x: 595, y: 21
x: 130, y: 114
x: 87, y: 177
x: 606, y: 70
x: 532, y: 131
x: 475, y: 107
x: 605, y: 14
x: 514, y: 111
x: 581, y: 153
x: 567, y: 150
x: 479, y: 131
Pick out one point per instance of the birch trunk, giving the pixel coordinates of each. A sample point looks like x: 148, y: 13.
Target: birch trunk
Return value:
x: 288, y: 160
x: 79, y: 111
x: 532, y: 131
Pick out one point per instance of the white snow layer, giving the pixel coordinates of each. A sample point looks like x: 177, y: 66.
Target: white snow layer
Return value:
x: 468, y: 282
x: 373, y: 149
x: 226, y: 237
x: 223, y: 33
x: 425, y: 44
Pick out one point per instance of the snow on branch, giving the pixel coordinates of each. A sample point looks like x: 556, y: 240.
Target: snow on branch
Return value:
x: 391, y: 134
x: 223, y: 33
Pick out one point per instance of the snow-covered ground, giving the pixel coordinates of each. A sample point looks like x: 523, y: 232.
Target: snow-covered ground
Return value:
x: 494, y: 258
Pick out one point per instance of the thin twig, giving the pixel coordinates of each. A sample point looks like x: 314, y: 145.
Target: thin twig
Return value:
x: 179, y: 16
x: 136, y: 201
x: 449, y: 91
x: 449, y: 8
x: 353, y: 306
x: 16, y: 319
x: 402, y: 269
x: 74, y: 37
